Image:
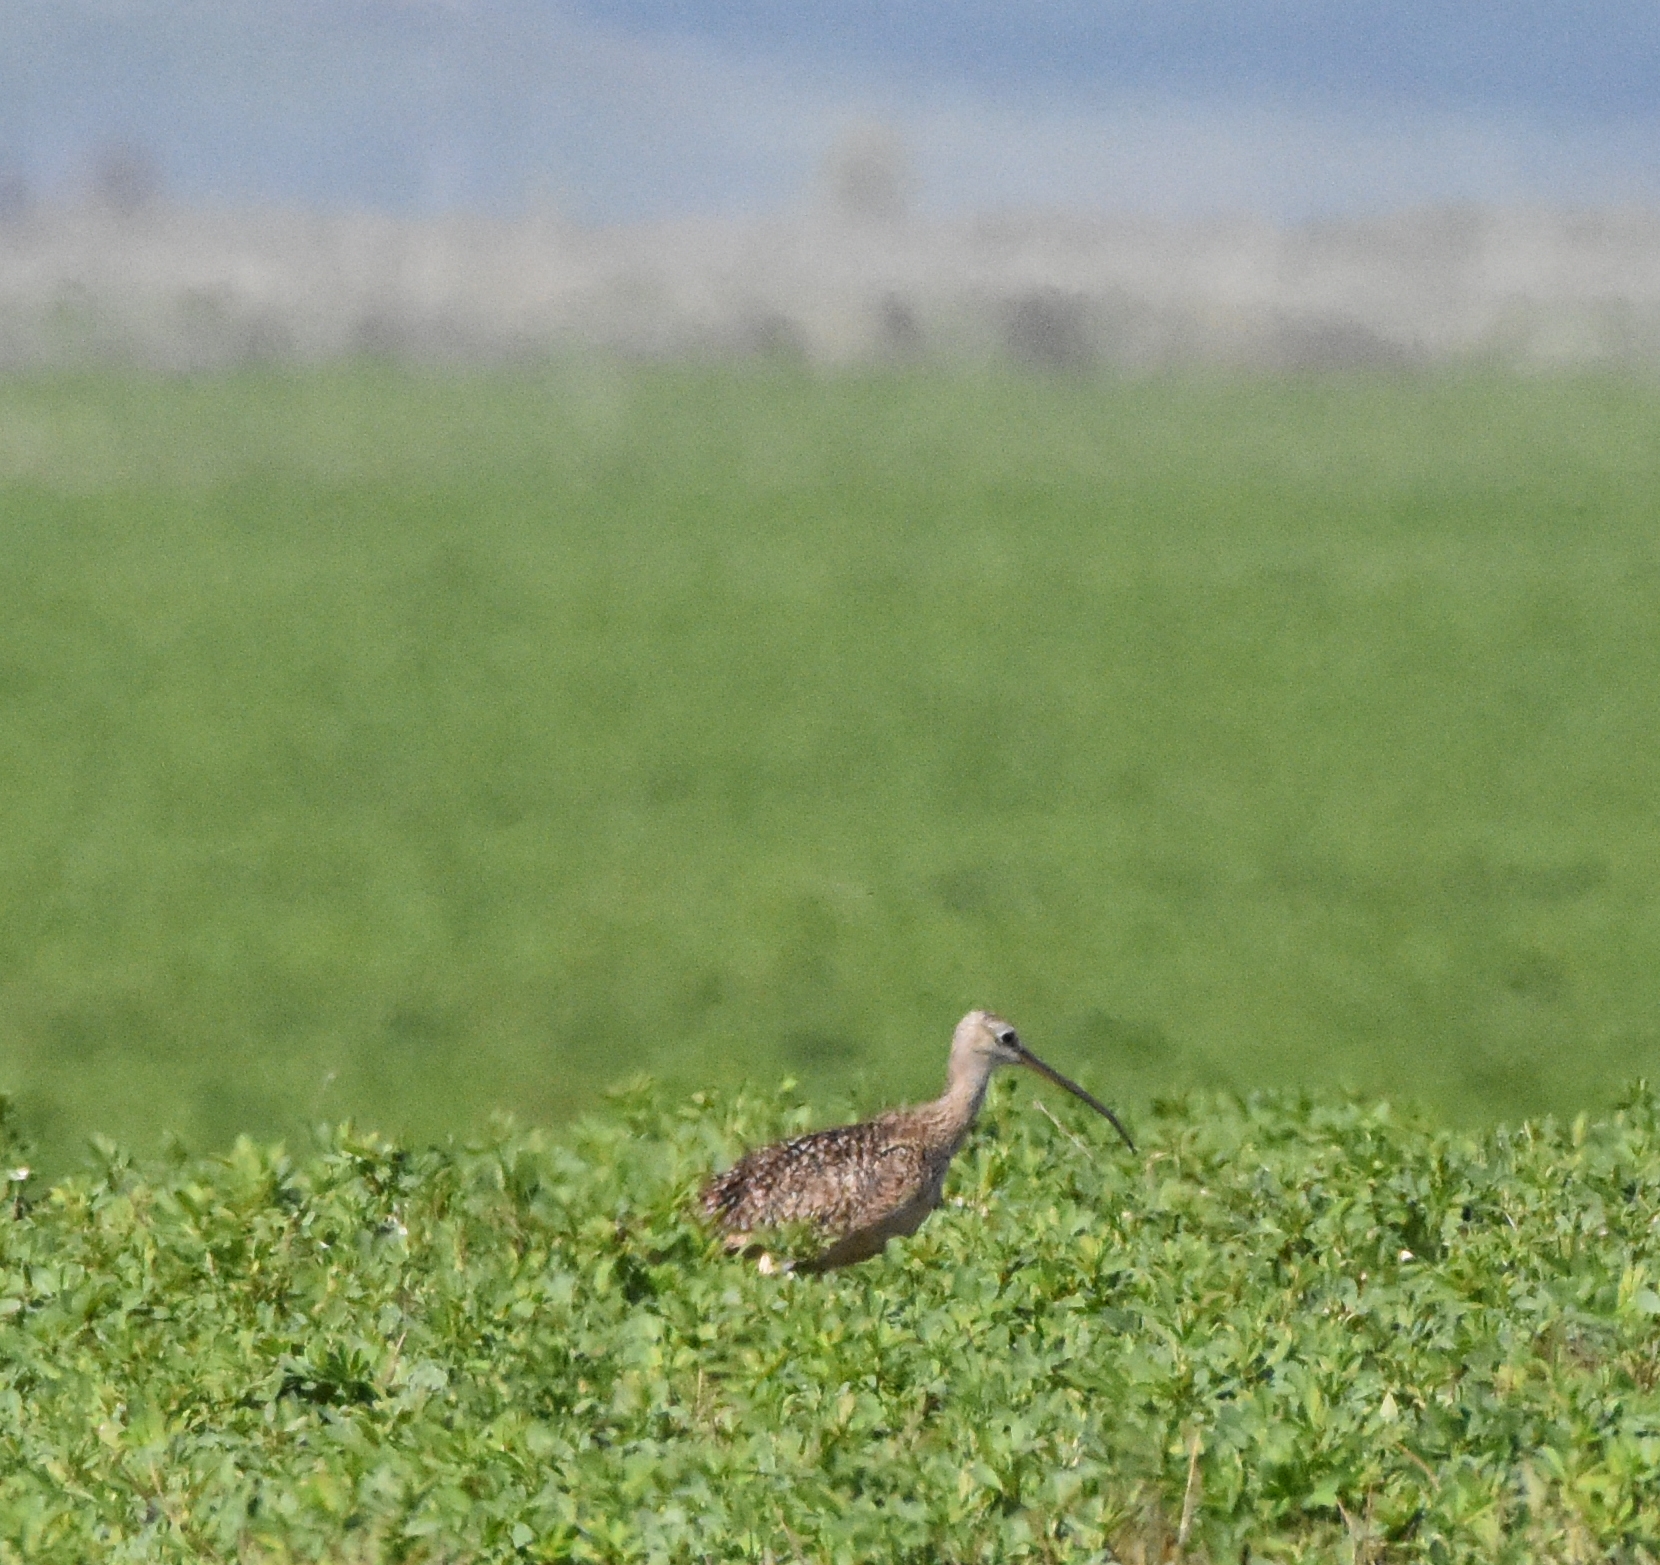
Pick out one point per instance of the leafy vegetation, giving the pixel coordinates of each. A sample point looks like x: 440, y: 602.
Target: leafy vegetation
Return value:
x: 1312, y: 1329
x: 401, y: 747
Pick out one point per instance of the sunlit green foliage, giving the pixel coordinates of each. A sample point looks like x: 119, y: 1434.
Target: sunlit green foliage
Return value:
x: 1381, y: 1341
x: 404, y: 746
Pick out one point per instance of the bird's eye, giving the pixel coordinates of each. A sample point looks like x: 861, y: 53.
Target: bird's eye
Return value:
x: 1009, y: 1037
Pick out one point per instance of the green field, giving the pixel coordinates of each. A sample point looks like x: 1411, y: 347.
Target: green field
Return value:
x: 407, y: 745
x: 1312, y: 1329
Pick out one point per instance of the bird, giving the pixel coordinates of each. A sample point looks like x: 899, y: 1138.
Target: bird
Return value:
x: 857, y: 1186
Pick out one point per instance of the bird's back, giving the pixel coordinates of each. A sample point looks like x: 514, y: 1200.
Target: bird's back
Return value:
x: 840, y: 1180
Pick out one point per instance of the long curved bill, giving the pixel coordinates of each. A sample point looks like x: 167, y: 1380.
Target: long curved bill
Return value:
x: 1028, y: 1058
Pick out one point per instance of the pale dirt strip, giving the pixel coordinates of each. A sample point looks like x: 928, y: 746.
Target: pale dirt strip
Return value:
x: 188, y: 289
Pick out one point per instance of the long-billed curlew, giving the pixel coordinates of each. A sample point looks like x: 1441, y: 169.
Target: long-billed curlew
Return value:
x: 861, y: 1185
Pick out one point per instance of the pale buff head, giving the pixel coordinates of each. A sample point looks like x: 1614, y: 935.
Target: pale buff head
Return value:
x: 983, y: 1041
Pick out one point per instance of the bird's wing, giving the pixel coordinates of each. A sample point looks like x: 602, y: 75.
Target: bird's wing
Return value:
x: 836, y: 1179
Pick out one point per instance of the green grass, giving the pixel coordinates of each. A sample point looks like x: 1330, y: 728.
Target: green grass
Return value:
x: 407, y: 746
x: 1321, y: 1332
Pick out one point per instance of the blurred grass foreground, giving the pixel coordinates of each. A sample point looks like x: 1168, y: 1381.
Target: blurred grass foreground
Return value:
x: 411, y: 745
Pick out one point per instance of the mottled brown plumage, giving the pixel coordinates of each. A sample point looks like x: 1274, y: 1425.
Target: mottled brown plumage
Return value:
x: 861, y: 1185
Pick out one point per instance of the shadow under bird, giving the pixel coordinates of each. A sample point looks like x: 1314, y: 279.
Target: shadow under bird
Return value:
x: 862, y: 1185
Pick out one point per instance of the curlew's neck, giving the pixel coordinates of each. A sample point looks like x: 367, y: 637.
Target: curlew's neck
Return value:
x: 956, y: 1109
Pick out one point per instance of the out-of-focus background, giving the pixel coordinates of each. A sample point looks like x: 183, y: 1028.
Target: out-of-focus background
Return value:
x: 540, y: 541
x: 194, y: 183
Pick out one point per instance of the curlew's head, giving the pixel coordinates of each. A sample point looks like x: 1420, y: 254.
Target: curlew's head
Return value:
x: 983, y: 1041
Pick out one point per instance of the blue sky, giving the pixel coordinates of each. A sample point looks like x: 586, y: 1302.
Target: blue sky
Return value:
x: 1443, y: 53
x: 629, y: 109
